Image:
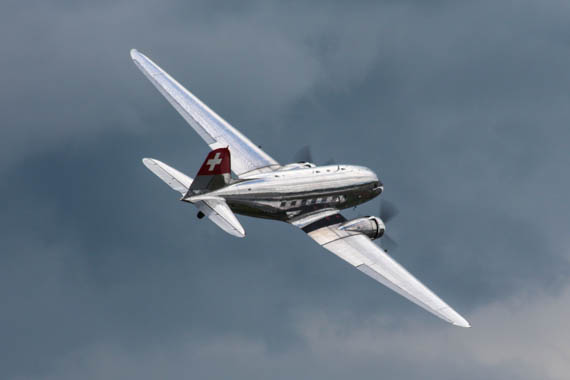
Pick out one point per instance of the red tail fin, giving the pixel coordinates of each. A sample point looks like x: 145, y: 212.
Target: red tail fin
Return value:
x: 217, y: 162
x: 214, y: 172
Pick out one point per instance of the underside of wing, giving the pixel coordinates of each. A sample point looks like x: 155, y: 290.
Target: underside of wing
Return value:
x: 218, y: 211
x: 359, y: 251
x: 247, y: 158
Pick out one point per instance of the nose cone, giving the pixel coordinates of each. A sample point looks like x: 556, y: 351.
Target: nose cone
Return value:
x: 372, y: 175
x: 369, y: 177
x: 369, y: 174
x: 378, y: 185
x: 379, y: 189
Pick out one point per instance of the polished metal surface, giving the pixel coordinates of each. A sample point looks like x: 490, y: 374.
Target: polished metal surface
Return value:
x: 218, y: 133
x: 302, y: 194
x: 286, y: 194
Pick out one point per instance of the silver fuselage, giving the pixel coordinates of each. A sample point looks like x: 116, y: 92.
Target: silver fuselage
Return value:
x: 288, y: 192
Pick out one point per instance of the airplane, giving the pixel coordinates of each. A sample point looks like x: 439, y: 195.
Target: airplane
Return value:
x: 302, y: 194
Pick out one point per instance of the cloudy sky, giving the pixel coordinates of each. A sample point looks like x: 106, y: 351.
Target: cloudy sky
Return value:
x: 461, y: 107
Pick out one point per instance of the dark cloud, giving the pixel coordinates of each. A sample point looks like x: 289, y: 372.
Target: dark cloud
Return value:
x: 460, y: 107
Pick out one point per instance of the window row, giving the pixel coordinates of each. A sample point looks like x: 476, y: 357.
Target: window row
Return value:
x: 312, y: 201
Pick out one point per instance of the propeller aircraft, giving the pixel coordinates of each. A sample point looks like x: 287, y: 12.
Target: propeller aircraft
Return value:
x: 305, y: 195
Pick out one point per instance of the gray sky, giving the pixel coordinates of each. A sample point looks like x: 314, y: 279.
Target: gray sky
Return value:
x: 460, y: 107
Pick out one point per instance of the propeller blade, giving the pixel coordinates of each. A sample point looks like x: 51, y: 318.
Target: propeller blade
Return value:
x: 304, y: 154
x: 387, y: 210
x: 330, y: 162
x: 388, y: 243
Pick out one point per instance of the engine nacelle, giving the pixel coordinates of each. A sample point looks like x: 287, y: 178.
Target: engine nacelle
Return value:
x: 371, y: 226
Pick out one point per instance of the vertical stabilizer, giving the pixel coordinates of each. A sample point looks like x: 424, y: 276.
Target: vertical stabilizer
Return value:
x: 214, y: 173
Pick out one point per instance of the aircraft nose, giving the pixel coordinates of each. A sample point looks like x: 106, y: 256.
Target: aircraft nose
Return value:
x: 379, y: 188
x: 378, y: 185
x: 371, y: 174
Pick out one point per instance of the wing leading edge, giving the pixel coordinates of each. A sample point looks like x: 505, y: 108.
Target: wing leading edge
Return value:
x: 247, y: 158
x: 359, y: 251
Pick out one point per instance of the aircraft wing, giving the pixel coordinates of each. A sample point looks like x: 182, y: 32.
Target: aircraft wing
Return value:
x: 359, y: 251
x: 247, y: 158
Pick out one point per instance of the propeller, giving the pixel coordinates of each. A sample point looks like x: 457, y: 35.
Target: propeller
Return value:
x: 331, y: 161
x: 305, y: 155
x: 387, y: 212
x: 388, y: 243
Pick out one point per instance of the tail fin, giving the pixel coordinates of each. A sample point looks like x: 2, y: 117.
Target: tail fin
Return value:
x: 214, y: 173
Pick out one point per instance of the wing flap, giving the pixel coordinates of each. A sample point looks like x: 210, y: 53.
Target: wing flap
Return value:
x: 246, y: 156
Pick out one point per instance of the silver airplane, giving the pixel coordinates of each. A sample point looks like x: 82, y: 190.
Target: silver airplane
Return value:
x: 307, y: 196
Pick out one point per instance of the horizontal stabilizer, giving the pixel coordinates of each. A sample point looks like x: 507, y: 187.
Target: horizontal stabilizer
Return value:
x: 220, y: 213
x: 172, y: 177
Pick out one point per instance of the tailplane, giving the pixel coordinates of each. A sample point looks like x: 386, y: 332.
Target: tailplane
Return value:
x: 219, y: 212
x: 215, y: 208
x: 176, y: 180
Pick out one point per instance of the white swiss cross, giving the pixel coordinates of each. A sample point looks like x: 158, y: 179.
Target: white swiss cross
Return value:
x: 212, y: 162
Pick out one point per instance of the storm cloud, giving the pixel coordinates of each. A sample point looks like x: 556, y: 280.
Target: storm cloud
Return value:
x: 460, y: 107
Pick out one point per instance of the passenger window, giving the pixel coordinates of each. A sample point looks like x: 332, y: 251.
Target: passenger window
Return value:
x: 293, y: 203
x: 283, y: 204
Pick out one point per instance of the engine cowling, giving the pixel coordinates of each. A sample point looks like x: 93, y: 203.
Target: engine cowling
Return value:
x: 371, y: 226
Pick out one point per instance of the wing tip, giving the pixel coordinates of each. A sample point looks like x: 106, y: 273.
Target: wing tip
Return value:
x: 454, y: 317
x: 462, y: 322
x: 239, y: 233
x: 134, y: 54
x: 148, y: 161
